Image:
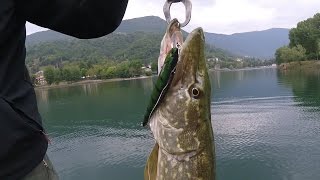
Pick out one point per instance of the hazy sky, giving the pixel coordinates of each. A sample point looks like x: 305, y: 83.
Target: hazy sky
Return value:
x: 227, y: 16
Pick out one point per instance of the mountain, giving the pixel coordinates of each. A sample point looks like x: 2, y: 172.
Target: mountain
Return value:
x: 149, y: 24
x: 116, y: 47
x: 260, y: 44
x: 45, y: 36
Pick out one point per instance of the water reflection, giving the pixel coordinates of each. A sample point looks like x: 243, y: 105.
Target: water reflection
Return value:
x: 260, y: 131
x: 305, y: 87
x: 246, y: 83
x: 90, y: 89
x: 216, y: 76
x: 43, y: 96
x: 148, y: 84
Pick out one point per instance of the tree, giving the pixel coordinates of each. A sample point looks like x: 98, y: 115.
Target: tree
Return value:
x: 135, y: 68
x: 122, y: 70
x: 72, y: 73
x: 66, y: 74
x: 286, y: 54
x: 110, y: 72
x: 307, y: 34
x: 57, y: 76
x: 318, y: 48
x: 95, y: 71
x: 299, y: 53
x: 49, y: 75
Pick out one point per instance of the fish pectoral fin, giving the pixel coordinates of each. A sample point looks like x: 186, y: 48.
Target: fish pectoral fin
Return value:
x: 150, y: 171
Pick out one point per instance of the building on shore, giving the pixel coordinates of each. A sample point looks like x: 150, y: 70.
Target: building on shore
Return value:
x: 40, y: 79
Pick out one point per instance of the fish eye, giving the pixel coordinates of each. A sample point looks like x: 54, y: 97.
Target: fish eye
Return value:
x: 195, y: 92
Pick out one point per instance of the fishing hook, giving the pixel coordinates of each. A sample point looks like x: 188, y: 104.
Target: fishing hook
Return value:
x: 186, y: 3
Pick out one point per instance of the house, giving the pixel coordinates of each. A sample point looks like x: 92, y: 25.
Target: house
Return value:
x: 213, y: 59
x: 40, y: 80
x: 239, y: 60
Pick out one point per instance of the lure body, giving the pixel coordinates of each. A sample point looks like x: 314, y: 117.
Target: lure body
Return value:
x: 162, y: 82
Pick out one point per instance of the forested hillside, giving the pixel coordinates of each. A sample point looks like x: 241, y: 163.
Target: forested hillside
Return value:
x: 258, y: 44
x: 116, y: 47
x: 134, y: 44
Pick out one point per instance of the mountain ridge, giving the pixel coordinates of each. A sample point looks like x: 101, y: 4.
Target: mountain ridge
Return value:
x: 260, y: 44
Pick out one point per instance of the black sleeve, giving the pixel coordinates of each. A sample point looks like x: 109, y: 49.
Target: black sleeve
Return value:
x: 78, y: 18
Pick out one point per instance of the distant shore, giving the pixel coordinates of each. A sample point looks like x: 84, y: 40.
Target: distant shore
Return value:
x: 98, y: 81
x: 302, y: 65
x: 91, y: 81
x: 242, y: 69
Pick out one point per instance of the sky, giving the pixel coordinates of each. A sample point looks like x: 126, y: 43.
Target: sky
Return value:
x: 226, y: 16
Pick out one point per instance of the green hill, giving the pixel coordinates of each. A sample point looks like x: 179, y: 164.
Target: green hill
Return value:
x: 152, y: 24
x: 260, y: 44
x: 135, y: 39
x: 116, y: 47
x: 119, y: 54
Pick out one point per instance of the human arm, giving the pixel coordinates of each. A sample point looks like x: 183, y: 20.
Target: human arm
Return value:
x: 78, y: 18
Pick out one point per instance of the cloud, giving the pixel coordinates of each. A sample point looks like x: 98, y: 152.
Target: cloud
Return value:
x: 31, y: 28
x: 229, y: 16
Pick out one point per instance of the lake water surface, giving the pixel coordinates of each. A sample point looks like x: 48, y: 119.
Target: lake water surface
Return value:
x: 266, y: 125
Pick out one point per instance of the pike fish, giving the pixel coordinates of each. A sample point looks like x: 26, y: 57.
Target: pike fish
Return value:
x: 181, y: 122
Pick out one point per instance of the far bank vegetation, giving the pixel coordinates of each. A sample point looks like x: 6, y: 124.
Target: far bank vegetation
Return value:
x: 304, y: 42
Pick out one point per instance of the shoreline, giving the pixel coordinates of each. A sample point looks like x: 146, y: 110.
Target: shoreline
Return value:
x: 92, y: 81
x: 99, y: 81
x: 242, y: 69
x: 308, y: 66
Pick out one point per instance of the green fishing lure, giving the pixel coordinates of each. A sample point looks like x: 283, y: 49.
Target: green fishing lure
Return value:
x: 163, y: 81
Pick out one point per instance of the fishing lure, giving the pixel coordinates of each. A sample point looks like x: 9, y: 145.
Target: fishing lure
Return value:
x: 163, y: 81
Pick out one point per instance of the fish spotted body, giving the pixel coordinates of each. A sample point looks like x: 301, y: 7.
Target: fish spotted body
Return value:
x: 181, y: 123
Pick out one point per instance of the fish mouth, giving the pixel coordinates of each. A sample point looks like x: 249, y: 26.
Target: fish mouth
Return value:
x: 191, y: 58
x: 173, y: 26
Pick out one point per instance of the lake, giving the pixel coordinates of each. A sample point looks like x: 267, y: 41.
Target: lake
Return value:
x: 266, y: 126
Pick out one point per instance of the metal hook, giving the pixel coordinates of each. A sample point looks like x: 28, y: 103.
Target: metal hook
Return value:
x: 188, y: 6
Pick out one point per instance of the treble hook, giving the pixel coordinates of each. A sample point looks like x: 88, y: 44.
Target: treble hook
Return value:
x: 188, y: 6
